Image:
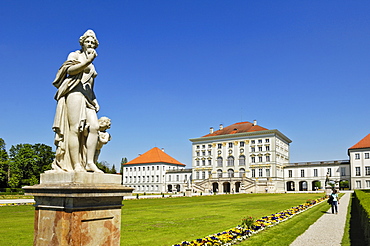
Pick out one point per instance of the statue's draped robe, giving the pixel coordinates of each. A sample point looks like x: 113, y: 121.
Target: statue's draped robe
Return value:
x: 67, y: 84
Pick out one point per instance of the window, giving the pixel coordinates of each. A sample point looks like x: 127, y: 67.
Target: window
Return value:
x: 253, y: 173
x: 259, y: 158
x: 267, y: 158
x: 259, y: 140
x: 209, y: 152
x: 260, y: 148
x: 315, y: 174
x: 219, y: 173
x: 241, y: 172
x: 230, y: 145
x: 157, y: 178
x: 230, y: 161
x: 203, y: 152
x: 342, y: 171
x: 157, y: 167
x: 219, y: 161
x: 358, y: 172
x: 253, y: 149
x: 267, y: 172
x: 197, y: 163
x: 366, y: 155
x: 203, y: 146
x: 242, y: 160
x: 219, y: 146
x: 138, y: 169
x: 267, y: 140
x: 198, y: 146
x: 230, y: 173
x: 197, y: 175
x: 357, y: 156
x: 358, y: 184
x: 241, y: 144
x: 267, y: 147
x: 203, y: 175
x: 260, y: 172
x: 329, y: 172
x: 177, y: 178
x: 367, y: 183
x: 290, y: 173
x: 203, y: 162
x: 209, y: 162
x: 197, y: 153
x: 367, y: 170
x: 253, y: 142
x: 253, y: 159
x: 302, y: 173
x: 209, y: 145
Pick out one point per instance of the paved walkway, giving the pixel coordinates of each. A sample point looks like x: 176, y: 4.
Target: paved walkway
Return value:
x: 328, y: 229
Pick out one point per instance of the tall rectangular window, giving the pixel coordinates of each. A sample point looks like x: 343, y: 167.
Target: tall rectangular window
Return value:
x: 230, y: 145
x: 367, y: 183
x: 259, y: 158
x: 290, y: 173
x: 343, y: 171
x: 267, y: 158
x: 253, y: 159
x: 367, y: 170
x: 267, y: 172
x: 315, y: 173
x: 260, y: 172
x: 358, y: 172
x: 329, y: 172
x: 357, y: 156
x: 219, y: 146
x: 366, y: 155
x: 302, y: 173
x: 253, y: 173
x: 358, y: 184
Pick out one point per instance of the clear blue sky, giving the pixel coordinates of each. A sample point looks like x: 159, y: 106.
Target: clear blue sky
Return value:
x: 169, y: 70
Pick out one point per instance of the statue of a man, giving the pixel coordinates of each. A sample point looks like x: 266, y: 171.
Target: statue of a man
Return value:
x: 76, y: 123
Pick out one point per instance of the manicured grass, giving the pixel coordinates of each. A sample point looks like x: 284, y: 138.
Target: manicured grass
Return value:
x: 16, y: 225
x: 160, y: 222
x: 168, y: 221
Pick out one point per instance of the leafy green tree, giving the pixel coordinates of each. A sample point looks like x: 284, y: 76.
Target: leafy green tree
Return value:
x: 27, y: 162
x: 123, y: 161
x: 113, y: 170
x: 4, y: 167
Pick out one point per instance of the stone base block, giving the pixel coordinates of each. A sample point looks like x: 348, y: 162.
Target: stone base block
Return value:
x: 77, y: 211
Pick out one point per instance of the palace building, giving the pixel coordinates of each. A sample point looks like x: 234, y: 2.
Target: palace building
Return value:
x: 155, y: 172
x: 243, y: 157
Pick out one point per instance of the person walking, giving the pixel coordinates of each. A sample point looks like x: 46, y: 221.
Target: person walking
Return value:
x: 335, y: 201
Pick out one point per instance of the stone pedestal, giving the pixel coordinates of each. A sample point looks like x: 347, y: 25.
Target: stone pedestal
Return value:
x: 188, y: 192
x: 78, y: 209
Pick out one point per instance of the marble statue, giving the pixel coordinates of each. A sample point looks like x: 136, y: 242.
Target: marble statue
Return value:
x: 103, y: 136
x: 76, y: 123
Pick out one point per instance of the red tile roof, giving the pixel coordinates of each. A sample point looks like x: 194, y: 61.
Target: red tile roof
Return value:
x: 237, y: 128
x: 364, y: 143
x: 154, y: 155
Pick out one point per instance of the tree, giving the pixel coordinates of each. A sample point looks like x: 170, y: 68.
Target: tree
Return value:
x: 27, y: 162
x: 113, y: 170
x: 123, y: 161
x: 4, y: 167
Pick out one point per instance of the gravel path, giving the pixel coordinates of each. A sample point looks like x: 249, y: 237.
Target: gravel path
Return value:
x: 328, y: 229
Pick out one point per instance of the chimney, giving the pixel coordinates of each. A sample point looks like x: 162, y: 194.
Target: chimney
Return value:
x: 255, y: 122
x: 221, y: 127
x: 163, y: 149
x: 211, y: 130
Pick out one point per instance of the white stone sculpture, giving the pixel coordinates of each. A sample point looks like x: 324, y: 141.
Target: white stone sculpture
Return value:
x: 103, y: 136
x: 76, y: 123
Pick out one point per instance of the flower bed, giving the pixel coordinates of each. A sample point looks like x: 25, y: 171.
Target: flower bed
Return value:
x: 240, y: 233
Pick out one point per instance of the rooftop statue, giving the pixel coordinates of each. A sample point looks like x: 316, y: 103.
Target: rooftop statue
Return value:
x: 76, y: 123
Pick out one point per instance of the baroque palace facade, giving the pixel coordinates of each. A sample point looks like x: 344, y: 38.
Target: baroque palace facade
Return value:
x: 244, y: 158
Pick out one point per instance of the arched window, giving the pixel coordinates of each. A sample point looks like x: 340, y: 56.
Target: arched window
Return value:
x: 219, y: 161
x: 230, y: 173
x: 219, y: 173
x: 242, y: 160
x: 241, y: 172
x: 230, y: 161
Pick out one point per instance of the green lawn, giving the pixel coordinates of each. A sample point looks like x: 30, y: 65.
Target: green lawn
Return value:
x: 168, y: 221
